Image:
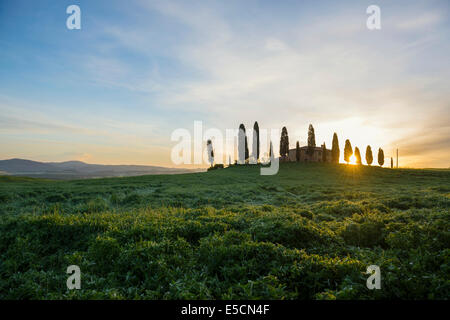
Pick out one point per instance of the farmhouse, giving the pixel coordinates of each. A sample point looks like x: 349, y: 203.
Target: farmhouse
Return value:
x: 316, y: 155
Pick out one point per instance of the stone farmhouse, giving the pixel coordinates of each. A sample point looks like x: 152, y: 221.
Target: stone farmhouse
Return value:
x: 316, y: 156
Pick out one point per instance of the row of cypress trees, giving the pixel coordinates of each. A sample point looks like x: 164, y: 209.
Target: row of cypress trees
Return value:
x: 348, y: 152
x: 335, y: 151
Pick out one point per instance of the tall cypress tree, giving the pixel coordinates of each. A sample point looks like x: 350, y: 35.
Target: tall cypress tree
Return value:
x: 324, y: 152
x: 242, y: 144
x: 311, y: 140
x: 369, y: 156
x: 271, y: 150
x: 348, y: 151
x: 297, y: 151
x: 357, y: 156
x: 256, y: 140
x: 335, y: 152
x: 380, y: 157
x: 210, y: 152
x: 284, y: 142
x: 246, y: 149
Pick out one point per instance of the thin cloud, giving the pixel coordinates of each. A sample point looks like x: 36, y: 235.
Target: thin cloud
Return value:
x: 420, y: 21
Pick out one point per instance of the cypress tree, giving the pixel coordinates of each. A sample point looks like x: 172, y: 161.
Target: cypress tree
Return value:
x: 335, y: 152
x: 271, y: 151
x: 246, y: 149
x: 357, y: 156
x: 324, y: 153
x: 380, y: 157
x: 311, y: 140
x: 369, y: 156
x: 284, y: 142
x: 297, y: 151
x: 348, y: 151
x: 242, y: 144
x: 210, y: 152
x: 256, y: 140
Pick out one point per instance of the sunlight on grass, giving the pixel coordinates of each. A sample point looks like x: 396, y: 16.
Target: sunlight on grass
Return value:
x: 229, y: 234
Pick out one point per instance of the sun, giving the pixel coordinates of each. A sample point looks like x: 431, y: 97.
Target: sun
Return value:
x: 352, y: 159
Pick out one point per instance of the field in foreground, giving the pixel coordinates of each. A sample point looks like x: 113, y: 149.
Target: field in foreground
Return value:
x: 307, y: 233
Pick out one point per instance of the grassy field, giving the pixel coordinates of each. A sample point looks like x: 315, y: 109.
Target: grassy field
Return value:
x: 308, y: 232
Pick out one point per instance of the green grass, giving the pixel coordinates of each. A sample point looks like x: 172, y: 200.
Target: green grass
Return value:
x: 308, y: 232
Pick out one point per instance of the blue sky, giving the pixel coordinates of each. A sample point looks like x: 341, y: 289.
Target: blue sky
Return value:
x: 114, y: 91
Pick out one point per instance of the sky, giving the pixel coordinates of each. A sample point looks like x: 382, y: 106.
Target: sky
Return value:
x: 114, y: 91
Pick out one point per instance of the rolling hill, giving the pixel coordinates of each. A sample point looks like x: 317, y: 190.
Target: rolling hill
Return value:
x: 79, y: 169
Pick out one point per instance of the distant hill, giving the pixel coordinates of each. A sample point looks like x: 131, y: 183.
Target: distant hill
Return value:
x: 79, y: 169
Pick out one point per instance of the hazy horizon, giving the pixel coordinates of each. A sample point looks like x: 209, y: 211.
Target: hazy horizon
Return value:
x: 114, y: 91
x: 90, y: 163
x: 195, y: 166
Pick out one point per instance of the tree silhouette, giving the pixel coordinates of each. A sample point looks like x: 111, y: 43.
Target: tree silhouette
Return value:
x: 311, y: 140
x: 392, y: 163
x: 335, y: 152
x: 246, y: 149
x: 210, y: 152
x: 357, y: 156
x: 297, y: 151
x: 369, y: 156
x: 271, y: 150
x: 324, y: 153
x: 284, y: 142
x: 348, y: 151
x: 380, y: 157
x: 242, y: 144
x: 256, y: 140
